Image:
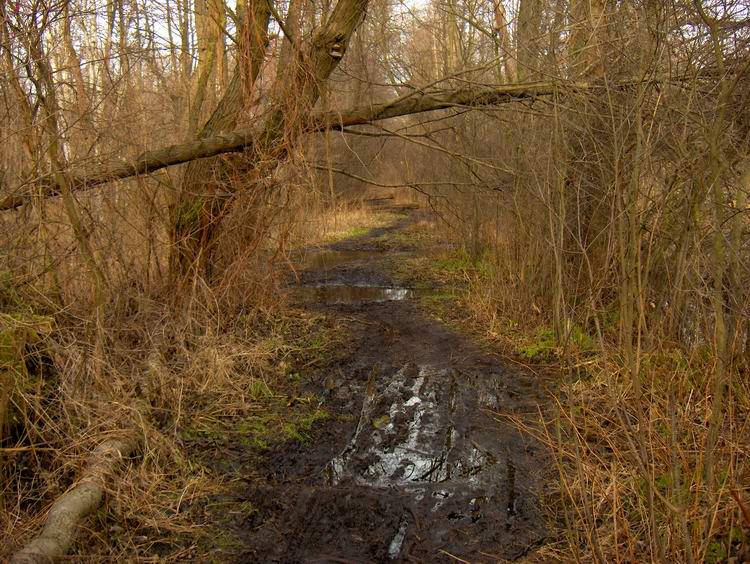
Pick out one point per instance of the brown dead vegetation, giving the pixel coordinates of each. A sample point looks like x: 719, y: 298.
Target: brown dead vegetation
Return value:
x: 602, y: 231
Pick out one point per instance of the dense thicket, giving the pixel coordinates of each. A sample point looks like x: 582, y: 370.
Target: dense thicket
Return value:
x: 605, y: 211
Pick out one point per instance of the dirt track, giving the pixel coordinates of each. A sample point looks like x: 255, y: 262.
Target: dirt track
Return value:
x: 415, y: 465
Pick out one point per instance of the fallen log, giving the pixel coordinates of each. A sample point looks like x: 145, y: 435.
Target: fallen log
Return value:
x: 79, y: 501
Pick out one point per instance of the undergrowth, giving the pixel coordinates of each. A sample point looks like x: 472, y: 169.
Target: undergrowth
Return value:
x: 189, y: 395
x: 220, y: 371
x: 631, y: 482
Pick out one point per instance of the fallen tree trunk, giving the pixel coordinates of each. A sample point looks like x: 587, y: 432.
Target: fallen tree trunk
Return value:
x: 86, y: 496
x: 417, y: 102
x: 240, y: 139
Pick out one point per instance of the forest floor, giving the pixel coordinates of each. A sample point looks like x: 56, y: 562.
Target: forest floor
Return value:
x: 391, y: 438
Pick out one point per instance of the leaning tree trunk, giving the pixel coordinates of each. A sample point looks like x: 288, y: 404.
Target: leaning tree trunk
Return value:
x: 202, y: 204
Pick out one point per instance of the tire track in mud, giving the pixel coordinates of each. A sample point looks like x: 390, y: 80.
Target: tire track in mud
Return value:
x: 414, y: 466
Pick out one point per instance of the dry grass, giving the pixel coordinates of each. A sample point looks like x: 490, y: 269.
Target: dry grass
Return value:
x: 631, y: 468
x: 631, y: 478
x: 343, y: 222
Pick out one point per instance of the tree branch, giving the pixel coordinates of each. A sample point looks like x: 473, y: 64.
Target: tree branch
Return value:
x: 78, y: 502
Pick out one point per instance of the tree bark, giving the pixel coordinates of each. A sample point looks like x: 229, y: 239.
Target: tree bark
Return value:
x: 586, y: 52
x: 506, y: 64
x: 193, y: 212
x: 529, y: 39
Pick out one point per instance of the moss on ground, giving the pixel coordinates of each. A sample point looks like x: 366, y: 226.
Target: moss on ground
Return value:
x: 354, y: 232
x: 18, y: 332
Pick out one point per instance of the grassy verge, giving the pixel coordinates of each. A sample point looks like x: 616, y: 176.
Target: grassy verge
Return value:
x: 209, y: 407
x: 345, y: 222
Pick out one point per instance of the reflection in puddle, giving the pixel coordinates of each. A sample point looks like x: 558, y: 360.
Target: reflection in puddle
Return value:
x: 339, y: 294
x: 407, y: 435
x: 410, y: 437
x: 395, y: 547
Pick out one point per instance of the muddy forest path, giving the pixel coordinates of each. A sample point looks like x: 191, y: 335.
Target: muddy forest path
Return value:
x: 414, y: 461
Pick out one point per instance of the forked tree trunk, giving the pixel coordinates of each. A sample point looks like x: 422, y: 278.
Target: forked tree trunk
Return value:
x: 195, y: 211
x: 202, y: 203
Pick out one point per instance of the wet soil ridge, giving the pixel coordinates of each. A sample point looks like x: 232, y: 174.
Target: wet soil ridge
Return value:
x: 417, y: 433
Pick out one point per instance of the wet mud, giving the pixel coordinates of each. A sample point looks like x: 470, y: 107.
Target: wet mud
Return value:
x: 417, y: 463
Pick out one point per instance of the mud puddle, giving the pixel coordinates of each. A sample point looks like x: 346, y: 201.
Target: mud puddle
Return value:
x: 334, y: 294
x: 417, y: 463
x: 416, y: 436
x: 328, y: 258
